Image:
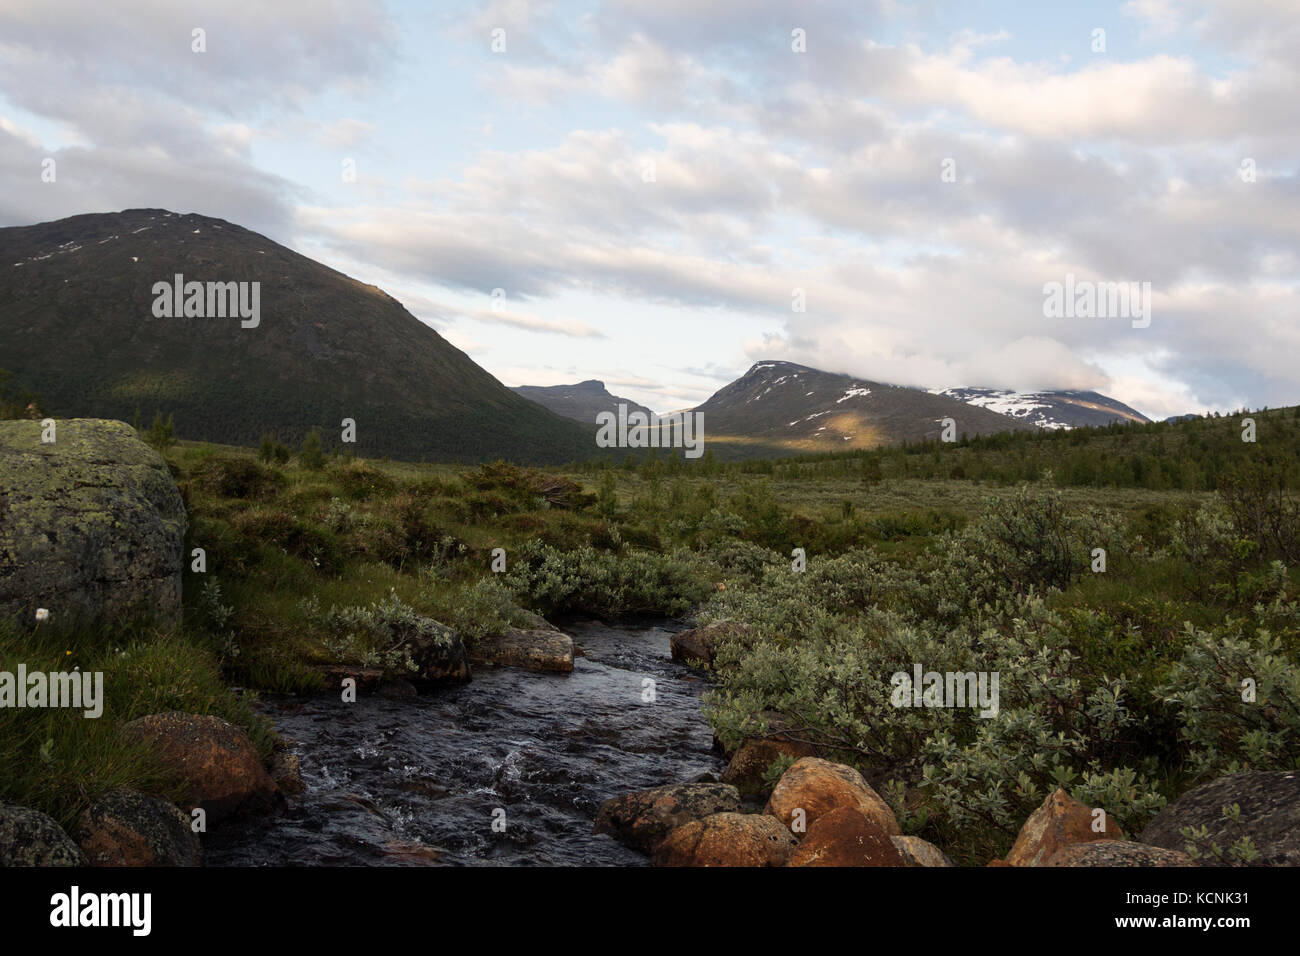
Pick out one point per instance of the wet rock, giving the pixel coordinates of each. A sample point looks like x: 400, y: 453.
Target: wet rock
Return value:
x: 818, y: 786
x: 699, y: 645
x: 727, y: 839
x: 1270, y: 816
x: 437, y: 651
x: 399, y: 688
x: 286, y: 771
x: 415, y: 854
x: 534, y: 650
x: 368, y: 679
x: 92, y: 526
x: 1059, y: 822
x: 1116, y: 853
x: 218, y: 764
x: 128, y: 828
x: 644, y: 818
x: 844, y: 837
x: 30, y: 838
x: 918, y: 852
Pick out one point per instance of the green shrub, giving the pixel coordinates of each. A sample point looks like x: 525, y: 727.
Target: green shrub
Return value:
x: 312, y: 453
x: 360, y: 481
x: 236, y: 476
x: 636, y: 582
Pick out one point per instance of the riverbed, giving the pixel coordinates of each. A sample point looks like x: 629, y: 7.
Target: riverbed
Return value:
x: 507, y: 770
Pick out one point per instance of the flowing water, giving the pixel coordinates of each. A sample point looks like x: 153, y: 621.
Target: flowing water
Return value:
x: 418, y: 781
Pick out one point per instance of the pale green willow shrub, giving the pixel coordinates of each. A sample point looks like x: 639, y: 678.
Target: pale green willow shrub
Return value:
x: 584, y: 579
x: 374, y: 635
x: 1228, y: 724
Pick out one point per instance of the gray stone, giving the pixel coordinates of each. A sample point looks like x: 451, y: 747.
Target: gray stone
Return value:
x: 535, y: 650
x: 1270, y: 816
x: 642, y: 819
x: 92, y: 526
x: 1116, y: 853
x: 30, y: 838
x: 918, y: 852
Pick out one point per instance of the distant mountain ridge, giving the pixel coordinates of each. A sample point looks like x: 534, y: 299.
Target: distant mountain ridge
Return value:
x: 78, y: 326
x: 1058, y: 408
x: 582, y: 401
x: 784, y: 408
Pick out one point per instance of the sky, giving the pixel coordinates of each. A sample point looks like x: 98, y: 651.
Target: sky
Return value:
x: 659, y: 194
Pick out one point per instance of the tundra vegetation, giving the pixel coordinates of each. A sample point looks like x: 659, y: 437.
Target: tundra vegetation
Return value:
x: 1127, y: 686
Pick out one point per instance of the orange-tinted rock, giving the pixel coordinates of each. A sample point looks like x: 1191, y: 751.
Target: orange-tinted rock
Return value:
x: 699, y: 645
x: 746, y: 769
x: 126, y: 828
x: 1059, y: 822
x: 844, y: 837
x: 727, y: 839
x: 218, y: 764
x: 818, y: 786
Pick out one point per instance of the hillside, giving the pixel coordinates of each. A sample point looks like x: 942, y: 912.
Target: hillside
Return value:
x: 1049, y: 409
x: 780, y: 408
x: 581, y: 402
x: 78, y: 327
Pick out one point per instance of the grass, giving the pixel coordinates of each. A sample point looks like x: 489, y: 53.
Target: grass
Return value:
x: 58, y: 761
x: 655, y: 536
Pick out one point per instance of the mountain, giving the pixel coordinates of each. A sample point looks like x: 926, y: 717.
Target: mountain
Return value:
x: 582, y: 401
x: 781, y: 408
x: 1050, y: 409
x: 80, y: 325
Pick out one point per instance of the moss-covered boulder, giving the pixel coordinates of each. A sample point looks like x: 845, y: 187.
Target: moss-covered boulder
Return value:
x: 92, y: 525
x: 30, y: 838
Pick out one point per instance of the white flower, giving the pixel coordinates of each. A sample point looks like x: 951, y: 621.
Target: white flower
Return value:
x: 42, y: 614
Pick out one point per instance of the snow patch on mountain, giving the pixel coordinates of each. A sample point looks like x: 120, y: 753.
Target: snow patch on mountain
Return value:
x: 1028, y: 406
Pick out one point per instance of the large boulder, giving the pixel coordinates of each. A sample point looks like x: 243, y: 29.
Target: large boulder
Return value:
x: 92, y: 525
x: 1059, y: 822
x: 844, y: 837
x: 127, y: 828
x: 1116, y: 853
x: 727, y: 839
x: 217, y: 763
x: 534, y: 650
x: 644, y: 818
x: 30, y: 838
x: 818, y: 786
x: 699, y: 645
x: 1270, y: 816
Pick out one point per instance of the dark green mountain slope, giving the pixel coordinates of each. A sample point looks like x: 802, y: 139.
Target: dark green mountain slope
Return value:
x: 77, y: 326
